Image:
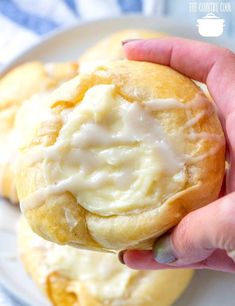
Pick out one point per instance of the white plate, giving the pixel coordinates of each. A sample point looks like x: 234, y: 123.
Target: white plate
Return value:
x: 70, y: 43
x: 207, y: 288
x: 12, y: 274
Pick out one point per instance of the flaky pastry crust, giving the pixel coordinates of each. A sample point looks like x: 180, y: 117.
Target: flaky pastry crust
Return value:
x: 134, y: 82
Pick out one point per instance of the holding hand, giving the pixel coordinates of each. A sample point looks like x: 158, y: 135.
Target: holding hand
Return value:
x: 205, y: 238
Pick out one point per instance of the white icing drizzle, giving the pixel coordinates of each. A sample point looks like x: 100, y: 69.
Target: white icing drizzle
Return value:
x: 219, y: 139
x: 139, y: 126
x: 145, y: 128
x: 163, y: 104
x: 191, y: 122
x: 170, y: 103
x: 75, y: 183
x: 91, y: 146
x: 207, y: 136
x: 210, y: 152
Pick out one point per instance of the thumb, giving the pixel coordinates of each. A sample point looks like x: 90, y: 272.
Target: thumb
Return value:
x: 196, y: 239
x: 199, y: 234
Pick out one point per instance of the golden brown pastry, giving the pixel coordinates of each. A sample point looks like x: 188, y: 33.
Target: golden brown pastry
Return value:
x: 72, y: 277
x: 15, y: 87
x: 120, y: 155
x: 110, y: 47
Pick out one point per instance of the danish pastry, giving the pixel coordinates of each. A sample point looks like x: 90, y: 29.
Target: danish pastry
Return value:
x: 121, y: 155
x: 15, y: 87
x: 110, y: 47
x: 72, y: 277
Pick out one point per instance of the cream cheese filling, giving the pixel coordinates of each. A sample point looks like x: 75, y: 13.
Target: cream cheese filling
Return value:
x: 113, y: 155
x: 101, y: 273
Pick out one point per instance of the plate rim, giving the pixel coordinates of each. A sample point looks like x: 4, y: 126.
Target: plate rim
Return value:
x: 16, y: 60
x: 61, y: 31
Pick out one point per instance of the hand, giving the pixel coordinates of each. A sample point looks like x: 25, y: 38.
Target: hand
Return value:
x: 205, y: 238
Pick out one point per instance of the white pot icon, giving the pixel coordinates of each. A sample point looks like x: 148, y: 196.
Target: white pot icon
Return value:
x: 210, y: 25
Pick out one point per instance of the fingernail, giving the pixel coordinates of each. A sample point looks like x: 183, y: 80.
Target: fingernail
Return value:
x: 163, y: 251
x: 121, y: 257
x: 129, y: 40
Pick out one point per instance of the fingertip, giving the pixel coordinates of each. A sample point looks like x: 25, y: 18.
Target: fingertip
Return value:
x: 124, y: 42
x: 139, y: 49
x: 137, y: 255
x: 151, y: 50
x: 142, y: 260
x: 135, y: 259
x: 131, y: 48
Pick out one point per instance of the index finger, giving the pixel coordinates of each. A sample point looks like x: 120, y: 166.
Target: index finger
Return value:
x: 203, y: 62
x: 200, y: 61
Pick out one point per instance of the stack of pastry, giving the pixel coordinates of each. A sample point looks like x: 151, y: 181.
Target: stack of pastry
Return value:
x: 72, y: 277
x: 111, y: 160
x: 17, y: 86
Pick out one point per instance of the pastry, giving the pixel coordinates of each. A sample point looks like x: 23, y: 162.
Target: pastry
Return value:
x: 16, y: 86
x: 110, y: 47
x: 121, y: 155
x: 72, y: 277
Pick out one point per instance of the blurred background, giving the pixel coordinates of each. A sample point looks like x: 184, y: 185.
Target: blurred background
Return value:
x: 24, y: 22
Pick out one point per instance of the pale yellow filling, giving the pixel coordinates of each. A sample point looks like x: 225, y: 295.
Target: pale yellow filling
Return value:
x: 101, y: 273
x: 112, y: 155
x: 103, y: 276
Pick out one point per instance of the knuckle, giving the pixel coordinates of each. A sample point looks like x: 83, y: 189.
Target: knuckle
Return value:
x: 226, y: 223
x: 226, y: 53
x: 227, y: 210
x: 181, y: 238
